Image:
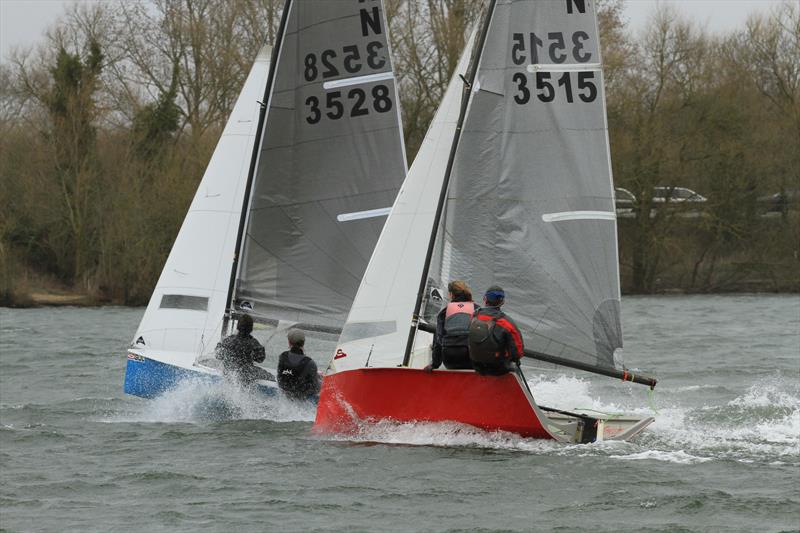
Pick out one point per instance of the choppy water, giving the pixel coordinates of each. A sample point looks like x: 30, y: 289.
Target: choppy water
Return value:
x: 723, y: 455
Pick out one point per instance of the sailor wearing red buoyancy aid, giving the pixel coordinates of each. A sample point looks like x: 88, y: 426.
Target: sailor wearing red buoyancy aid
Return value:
x: 450, y: 343
x: 495, y: 340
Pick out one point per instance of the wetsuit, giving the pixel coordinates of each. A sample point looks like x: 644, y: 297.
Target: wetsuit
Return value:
x: 238, y: 354
x: 297, y: 374
x: 450, y: 342
x: 507, y: 336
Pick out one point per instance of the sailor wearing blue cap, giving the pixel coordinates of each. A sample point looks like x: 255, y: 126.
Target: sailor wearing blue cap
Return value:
x: 495, y: 342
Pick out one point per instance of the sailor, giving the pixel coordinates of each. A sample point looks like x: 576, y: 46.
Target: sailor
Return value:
x: 450, y: 343
x: 239, y: 353
x: 297, y: 373
x: 495, y: 342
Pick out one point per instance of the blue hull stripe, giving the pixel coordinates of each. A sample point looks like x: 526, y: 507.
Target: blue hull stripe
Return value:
x: 149, y: 378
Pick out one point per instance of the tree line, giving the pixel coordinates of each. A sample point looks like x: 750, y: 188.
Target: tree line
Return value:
x: 106, y: 128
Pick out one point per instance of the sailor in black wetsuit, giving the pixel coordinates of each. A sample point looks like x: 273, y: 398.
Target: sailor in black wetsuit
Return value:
x: 297, y: 373
x: 450, y: 343
x: 240, y: 352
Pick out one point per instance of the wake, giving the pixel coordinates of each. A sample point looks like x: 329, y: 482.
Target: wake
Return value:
x: 201, y: 402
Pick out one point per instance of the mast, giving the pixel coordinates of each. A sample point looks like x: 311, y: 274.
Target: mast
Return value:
x: 446, y: 182
x: 253, y: 160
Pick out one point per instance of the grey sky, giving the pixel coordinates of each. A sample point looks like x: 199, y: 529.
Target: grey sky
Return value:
x: 22, y: 22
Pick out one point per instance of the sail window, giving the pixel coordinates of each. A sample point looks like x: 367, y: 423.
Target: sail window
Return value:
x: 354, y: 331
x: 182, y: 301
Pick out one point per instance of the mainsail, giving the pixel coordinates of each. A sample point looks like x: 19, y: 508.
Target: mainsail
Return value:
x: 529, y: 198
x: 530, y: 203
x: 329, y: 166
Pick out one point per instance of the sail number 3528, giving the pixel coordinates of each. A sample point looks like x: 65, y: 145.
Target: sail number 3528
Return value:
x: 357, y: 101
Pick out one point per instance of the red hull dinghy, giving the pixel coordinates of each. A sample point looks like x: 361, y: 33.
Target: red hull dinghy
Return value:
x: 512, y: 187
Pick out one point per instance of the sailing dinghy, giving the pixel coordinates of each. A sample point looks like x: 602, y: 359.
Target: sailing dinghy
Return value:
x: 512, y: 186
x: 292, y: 202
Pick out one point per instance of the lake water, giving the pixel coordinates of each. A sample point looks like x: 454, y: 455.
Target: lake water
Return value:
x: 723, y: 454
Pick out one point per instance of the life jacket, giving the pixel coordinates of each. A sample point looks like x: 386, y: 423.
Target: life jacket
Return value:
x: 457, y: 317
x: 483, y: 344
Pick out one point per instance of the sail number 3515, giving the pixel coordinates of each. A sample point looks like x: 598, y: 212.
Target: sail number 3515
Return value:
x: 545, y: 87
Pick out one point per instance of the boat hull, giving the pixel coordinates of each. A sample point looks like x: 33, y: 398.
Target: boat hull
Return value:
x: 352, y: 398
x: 149, y: 378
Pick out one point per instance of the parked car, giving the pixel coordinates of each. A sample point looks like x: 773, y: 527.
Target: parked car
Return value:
x: 623, y: 198
x: 625, y: 202
x: 780, y: 202
x: 676, y: 195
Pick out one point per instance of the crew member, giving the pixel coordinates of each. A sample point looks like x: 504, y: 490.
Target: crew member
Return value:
x: 495, y: 342
x: 297, y: 373
x: 239, y: 353
x: 451, y: 342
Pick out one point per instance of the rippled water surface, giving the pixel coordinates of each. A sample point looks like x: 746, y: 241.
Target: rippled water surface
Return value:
x: 723, y: 454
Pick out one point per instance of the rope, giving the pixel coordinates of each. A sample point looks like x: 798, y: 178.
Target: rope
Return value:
x: 610, y: 416
x: 651, y: 400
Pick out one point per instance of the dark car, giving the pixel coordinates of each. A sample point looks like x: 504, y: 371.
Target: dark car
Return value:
x: 625, y: 202
x: 676, y: 195
x: 623, y: 198
x: 780, y: 202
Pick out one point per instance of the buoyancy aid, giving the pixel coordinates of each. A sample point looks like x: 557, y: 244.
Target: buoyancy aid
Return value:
x: 483, y: 345
x: 456, y: 323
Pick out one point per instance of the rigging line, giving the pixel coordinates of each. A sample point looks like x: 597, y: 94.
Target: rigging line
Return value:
x: 465, y: 99
x: 262, y: 117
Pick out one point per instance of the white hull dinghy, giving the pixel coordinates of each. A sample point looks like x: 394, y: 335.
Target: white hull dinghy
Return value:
x: 293, y: 200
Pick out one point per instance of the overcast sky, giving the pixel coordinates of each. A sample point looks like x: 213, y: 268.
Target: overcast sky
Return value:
x: 22, y: 22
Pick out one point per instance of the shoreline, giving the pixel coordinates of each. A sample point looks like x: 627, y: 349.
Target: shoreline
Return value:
x: 38, y: 299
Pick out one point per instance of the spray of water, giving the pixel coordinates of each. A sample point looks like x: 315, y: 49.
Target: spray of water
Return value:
x: 204, y: 402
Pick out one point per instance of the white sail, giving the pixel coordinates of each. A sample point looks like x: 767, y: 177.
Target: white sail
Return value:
x: 184, y: 317
x: 377, y: 325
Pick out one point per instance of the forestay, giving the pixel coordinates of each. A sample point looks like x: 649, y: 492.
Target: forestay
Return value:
x: 530, y: 203
x: 329, y: 167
